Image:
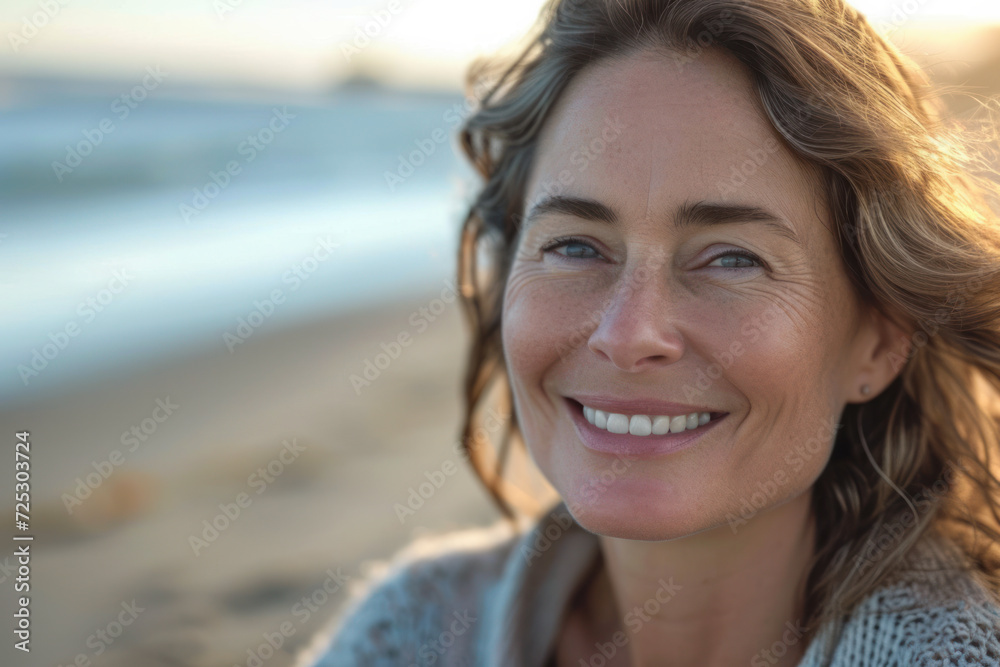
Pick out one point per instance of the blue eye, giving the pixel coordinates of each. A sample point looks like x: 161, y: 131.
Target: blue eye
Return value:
x: 749, y: 260
x: 575, y: 248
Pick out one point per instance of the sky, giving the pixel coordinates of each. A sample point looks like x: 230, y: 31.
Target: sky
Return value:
x: 306, y: 44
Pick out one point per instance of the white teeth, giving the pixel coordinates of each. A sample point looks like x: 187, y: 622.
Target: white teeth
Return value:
x: 617, y: 423
x: 678, y: 424
x: 640, y: 425
x: 644, y: 424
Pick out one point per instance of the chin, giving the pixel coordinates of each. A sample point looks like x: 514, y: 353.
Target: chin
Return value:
x: 635, y: 518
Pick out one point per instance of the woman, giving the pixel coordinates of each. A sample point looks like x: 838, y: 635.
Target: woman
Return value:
x: 741, y: 286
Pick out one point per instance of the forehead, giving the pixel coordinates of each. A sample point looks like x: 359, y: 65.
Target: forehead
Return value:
x: 647, y: 132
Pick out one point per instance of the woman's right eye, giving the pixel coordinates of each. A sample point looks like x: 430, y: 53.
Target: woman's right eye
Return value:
x: 574, y: 248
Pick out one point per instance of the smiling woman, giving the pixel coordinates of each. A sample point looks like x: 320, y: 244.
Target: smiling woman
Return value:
x: 751, y: 339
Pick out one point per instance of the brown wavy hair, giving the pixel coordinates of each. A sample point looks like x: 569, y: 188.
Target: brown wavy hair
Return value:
x: 915, y: 213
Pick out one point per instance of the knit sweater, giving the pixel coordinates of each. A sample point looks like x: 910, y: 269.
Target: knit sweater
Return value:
x: 495, y: 597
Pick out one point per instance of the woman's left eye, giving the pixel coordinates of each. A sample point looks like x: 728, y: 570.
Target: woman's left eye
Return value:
x: 737, y: 259
x: 574, y: 247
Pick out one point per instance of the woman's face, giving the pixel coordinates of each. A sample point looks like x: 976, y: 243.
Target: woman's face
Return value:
x: 701, y: 271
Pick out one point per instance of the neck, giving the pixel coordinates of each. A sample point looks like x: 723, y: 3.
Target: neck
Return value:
x: 713, y: 598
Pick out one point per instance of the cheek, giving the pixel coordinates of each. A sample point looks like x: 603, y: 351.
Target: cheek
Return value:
x: 785, y: 372
x: 545, y: 317
x: 785, y: 343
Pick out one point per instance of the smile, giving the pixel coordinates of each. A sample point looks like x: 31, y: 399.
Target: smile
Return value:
x: 639, y: 435
x: 614, y: 422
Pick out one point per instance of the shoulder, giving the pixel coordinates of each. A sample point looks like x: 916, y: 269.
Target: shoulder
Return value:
x: 932, y: 612
x: 420, y: 607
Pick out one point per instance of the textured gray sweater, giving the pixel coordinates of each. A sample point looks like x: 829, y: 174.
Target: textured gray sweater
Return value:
x: 495, y: 597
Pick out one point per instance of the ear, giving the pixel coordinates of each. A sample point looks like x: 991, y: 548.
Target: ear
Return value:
x: 883, y: 346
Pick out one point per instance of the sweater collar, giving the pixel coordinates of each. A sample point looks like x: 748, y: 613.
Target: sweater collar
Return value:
x: 544, y: 569
x: 525, y: 609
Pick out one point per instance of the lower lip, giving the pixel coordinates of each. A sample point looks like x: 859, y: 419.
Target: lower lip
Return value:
x: 639, y: 446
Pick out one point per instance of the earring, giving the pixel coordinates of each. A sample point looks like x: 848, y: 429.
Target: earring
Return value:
x: 865, y: 389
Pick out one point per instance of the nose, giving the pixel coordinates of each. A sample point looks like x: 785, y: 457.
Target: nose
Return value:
x: 636, y: 332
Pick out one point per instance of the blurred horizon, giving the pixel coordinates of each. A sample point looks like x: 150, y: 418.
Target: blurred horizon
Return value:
x: 308, y: 46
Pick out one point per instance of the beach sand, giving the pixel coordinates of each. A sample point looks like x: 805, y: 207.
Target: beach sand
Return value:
x: 328, y: 510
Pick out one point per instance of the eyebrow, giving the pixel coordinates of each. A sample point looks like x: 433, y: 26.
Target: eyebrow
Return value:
x: 698, y: 214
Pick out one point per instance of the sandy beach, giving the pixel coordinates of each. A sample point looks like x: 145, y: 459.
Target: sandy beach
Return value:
x: 335, y: 461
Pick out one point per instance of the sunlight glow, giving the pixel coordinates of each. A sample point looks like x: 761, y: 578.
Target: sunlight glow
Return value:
x: 309, y: 44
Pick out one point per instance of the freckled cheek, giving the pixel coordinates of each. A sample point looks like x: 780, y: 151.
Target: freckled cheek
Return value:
x: 780, y: 371
x: 544, y: 319
x: 769, y: 357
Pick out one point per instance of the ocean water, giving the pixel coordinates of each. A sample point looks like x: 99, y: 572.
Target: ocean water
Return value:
x: 132, y: 230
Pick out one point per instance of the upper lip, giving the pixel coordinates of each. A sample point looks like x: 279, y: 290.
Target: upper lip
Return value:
x: 638, y: 406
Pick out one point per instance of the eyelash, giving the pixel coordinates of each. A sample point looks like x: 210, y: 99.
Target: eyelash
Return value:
x: 741, y: 253
x: 562, y: 241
